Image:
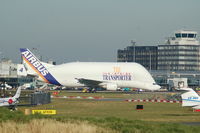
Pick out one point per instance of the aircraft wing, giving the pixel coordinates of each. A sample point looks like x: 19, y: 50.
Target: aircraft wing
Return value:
x: 89, y: 82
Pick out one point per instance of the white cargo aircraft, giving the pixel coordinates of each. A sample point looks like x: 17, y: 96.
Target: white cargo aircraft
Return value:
x: 90, y: 74
x: 190, y: 98
x: 11, y: 101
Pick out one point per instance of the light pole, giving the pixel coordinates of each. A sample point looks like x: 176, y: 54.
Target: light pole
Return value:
x: 149, y: 60
x: 133, y: 44
x: 0, y: 55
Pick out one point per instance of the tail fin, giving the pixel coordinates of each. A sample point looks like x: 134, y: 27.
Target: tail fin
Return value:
x: 190, y: 98
x: 18, y: 92
x: 33, y: 63
x: 21, y: 71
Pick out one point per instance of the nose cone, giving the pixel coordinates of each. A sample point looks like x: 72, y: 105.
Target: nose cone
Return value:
x: 152, y: 87
x: 156, y: 87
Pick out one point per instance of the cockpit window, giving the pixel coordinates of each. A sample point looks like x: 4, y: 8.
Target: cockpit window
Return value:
x: 154, y: 84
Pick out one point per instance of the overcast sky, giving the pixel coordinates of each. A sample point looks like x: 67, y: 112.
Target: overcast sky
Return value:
x: 90, y: 30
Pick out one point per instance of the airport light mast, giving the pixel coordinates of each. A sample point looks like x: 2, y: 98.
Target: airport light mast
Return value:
x: 133, y: 44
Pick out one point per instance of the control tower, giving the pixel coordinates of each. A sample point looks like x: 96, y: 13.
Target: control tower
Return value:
x: 183, y: 37
x: 180, y: 53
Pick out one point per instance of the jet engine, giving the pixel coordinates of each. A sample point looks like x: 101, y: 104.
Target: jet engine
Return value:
x: 10, y: 101
x: 110, y: 87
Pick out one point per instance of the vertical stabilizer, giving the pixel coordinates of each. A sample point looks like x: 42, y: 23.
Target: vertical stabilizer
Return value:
x: 36, y: 67
x: 21, y: 70
x: 18, y: 92
x: 190, y: 98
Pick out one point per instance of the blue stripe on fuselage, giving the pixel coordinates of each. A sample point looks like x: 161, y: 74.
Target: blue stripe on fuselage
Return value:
x: 190, y: 100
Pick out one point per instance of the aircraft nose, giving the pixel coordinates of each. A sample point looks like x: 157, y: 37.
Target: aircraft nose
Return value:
x: 153, y: 87
x: 157, y: 87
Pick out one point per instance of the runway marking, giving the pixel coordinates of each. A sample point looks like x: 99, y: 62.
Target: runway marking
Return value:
x: 153, y: 100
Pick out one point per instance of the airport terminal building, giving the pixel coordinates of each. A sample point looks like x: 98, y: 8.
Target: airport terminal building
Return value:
x: 144, y: 55
x: 9, y: 73
x: 180, y: 53
x: 179, y: 57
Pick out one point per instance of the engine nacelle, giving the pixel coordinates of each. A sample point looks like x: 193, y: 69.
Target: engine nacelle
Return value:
x: 10, y: 101
x: 111, y: 87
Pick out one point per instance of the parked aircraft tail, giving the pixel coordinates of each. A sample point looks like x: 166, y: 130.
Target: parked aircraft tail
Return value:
x: 190, y: 98
x: 18, y: 92
x: 35, y: 67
